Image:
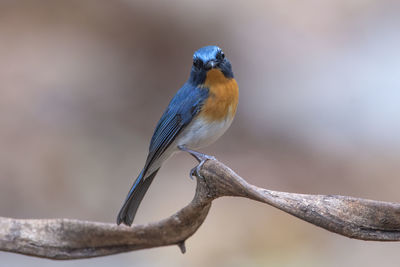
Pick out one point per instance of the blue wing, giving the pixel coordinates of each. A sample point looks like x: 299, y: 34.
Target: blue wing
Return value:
x: 185, y: 105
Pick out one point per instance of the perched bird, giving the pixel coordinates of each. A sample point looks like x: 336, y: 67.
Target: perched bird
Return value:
x: 199, y: 113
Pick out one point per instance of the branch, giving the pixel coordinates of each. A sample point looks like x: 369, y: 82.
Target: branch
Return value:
x: 72, y: 239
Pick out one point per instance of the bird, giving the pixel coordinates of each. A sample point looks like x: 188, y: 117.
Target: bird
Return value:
x: 199, y: 113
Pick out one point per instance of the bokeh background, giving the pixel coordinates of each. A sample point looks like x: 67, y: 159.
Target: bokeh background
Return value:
x: 83, y: 83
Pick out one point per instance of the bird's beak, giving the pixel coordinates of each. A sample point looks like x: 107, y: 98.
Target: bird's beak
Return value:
x: 211, y: 65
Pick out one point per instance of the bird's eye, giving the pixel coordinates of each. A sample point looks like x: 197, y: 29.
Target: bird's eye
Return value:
x: 220, y: 56
x: 198, y: 63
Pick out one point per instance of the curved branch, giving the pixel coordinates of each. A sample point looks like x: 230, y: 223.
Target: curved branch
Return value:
x: 349, y: 216
x: 72, y: 239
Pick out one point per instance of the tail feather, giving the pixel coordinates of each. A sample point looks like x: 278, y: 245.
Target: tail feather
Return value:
x: 135, y: 196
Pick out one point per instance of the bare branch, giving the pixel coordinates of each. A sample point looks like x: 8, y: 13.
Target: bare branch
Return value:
x: 352, y: 217
x: 73, y: 239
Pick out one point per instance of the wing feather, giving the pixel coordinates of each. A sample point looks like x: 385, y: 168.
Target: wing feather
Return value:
x: 181, y: 110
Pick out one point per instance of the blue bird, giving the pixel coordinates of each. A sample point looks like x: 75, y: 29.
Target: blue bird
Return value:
x: 199, y: 113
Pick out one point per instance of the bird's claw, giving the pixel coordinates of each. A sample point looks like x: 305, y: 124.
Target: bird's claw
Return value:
x: 193, y: 172
x: 196, y: 170
x: 202, y: 158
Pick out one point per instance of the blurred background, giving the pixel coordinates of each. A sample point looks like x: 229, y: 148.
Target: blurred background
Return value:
x: 83, y: 84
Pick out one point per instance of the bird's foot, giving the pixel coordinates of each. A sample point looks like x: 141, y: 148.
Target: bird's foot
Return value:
x: 201, y: 158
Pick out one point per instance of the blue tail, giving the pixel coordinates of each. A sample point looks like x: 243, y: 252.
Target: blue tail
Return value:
x: 135, y: 196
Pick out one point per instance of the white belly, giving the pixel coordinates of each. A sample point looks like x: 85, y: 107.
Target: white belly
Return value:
x: 200, y: 133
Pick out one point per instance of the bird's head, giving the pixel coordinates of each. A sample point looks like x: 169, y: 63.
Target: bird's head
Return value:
x: 209, y: 59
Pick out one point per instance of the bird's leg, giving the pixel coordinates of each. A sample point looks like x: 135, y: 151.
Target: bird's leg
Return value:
x: 202, y: 158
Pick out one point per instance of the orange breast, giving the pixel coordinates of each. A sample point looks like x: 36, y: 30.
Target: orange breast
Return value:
x: 223, y: 99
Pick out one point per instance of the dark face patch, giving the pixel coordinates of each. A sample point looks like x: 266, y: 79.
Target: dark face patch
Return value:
x: 206, y: 59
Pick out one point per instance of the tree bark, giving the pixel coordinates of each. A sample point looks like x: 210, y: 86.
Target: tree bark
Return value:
x: 73, y: 239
